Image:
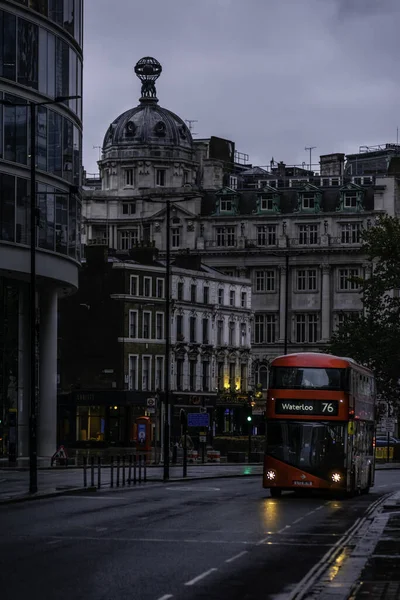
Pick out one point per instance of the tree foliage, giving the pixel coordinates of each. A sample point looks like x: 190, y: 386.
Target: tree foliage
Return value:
x: 373, y: 337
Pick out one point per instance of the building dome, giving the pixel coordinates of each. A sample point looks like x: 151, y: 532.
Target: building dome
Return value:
x: 148, y: 124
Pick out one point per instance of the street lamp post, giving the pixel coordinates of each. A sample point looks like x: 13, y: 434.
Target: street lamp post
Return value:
x: 167, y: 367
x: 33, y: 487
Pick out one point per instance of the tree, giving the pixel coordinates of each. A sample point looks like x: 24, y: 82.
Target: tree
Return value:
x: 373, y: 337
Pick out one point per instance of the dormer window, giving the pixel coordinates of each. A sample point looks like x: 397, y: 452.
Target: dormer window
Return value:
x: 351, y: 198
x: 268, y: 200
x: 160, y: 129
x: 130, y: 129
x: 226, y: 202
x: 309, y: 199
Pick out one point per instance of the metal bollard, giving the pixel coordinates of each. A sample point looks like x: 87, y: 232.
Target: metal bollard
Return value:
x: 118, y: 465
x: 130, y: 470
x: 145, y: 468
x: 92, y: 471
x: 85, y: 471
x: 112, y: 472
x: 140, y: 468
x: 98, y: 472
x: 134, y: 469
x: 123, y: 471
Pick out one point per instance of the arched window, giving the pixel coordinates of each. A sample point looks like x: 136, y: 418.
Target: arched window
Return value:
x: 263, y: 376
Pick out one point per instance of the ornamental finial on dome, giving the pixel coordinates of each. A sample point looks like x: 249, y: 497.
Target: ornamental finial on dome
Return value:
x: 148, y: 70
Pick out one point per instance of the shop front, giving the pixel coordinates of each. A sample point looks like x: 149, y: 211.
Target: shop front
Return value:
x: 231, y: 413
x: 102, y: 419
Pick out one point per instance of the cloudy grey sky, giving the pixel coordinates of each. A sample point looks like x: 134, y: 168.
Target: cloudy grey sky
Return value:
x: 273, y: 76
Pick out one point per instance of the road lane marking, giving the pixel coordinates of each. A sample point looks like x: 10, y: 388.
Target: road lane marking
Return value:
x: 166, y: 597
x: 54, y: 542
x: 192, y: 488
x: 283, y: 529
x: 101, y: 528
x: 261, y: 542
x: 150, y: 540
x: 96, y: 497
x: 297, y: 520
x: 229, y: 560
x: 200, y: 577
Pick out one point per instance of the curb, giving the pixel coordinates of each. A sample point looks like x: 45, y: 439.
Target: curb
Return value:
x: 45, y: 495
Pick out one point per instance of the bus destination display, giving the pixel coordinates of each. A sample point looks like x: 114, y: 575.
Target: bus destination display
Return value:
x: 329, y: 408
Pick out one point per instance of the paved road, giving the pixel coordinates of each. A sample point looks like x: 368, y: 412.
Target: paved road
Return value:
x: 216, y: 539
x: 17, y: 482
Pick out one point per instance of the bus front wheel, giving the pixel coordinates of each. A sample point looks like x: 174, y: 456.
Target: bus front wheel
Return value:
x: 275, y: 492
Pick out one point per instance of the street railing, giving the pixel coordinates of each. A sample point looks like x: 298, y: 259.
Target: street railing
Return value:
x: 123, y: 470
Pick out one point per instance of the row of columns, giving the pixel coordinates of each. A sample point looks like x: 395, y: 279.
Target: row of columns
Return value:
x: 47, y: 381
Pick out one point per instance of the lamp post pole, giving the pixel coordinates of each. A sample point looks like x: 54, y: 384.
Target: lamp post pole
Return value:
x: 167, y: 366
x: 32, y: 313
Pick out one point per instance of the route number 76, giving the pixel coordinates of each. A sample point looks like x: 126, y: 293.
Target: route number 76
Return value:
x: 327, y: 407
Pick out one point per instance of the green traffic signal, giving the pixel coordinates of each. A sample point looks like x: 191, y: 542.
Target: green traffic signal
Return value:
x: 249, y: 418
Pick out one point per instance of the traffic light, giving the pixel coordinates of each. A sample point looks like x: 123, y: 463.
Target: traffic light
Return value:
x: 248, y: 411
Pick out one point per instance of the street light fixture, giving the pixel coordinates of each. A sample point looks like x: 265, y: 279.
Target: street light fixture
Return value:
x: 33, y: 487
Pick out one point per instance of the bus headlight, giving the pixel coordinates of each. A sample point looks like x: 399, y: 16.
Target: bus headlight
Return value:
x: 271, y: 474
x: 336, y: 477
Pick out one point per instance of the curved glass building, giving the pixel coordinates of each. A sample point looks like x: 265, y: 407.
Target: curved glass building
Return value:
x: 40, y: 61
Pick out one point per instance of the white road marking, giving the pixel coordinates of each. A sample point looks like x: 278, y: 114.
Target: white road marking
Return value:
x: 297, y: 520
x: 166, y: 597
x: 192, y: 488
x: 200, y: 577
x: 150, y: 540
x: 229, y: 560
x: 54, y: 542
x: 101, y: 528
x: 283, y: 529
x: 96, y: 497
x: 261, y: 542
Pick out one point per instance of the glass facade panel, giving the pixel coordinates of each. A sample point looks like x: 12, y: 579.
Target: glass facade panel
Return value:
x: 55, y: 143
x: 51, y: 65
x: 72, y: 79
x: 72, y: 226
x: 7, y: 207
x: 41, y: 138
x: 77, y: 157
x: 28, y: 37
x: 67, y: 149
x: 61, y: 223
x: 8, y: 49
x: 56, y: 11
x: 23, y: 212
x: 39, y: 5
x: 15, y: 131
x: 43, y: 59
x: 69, y: 16
x: 45, y: 202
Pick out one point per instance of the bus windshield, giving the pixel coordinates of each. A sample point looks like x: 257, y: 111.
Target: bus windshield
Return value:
x: 310, y: 445
x: 307, y: 378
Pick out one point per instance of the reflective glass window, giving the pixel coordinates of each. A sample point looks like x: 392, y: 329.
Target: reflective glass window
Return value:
x: 28, y: 53
x: 78, y: 21
x: 39, y: 5
x: 54, y: 153
x: 67, y: 149
x: 56, y: 9
x: 8, y: 50
x: 72, y: 78
x: 23, y: 212
x: 78, y: 229
x: 41, y: 138
x: 43, y: 57
x: 61, y: 223
x: 62, y: 68
x: 1, y: 126
x: 72, y: 226
x: 51, y: 65
x: 79, y: 88
x: 69, y: 16
x: 15, y: 131
x: 7, y: 207
x: 45, y: 202
x: 77, y: 157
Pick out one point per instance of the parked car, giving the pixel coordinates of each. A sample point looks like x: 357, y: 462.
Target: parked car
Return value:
x: 381, y: 440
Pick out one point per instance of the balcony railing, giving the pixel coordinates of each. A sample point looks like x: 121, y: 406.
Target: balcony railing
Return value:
x: 260, y: 244
x: 339, y: 241
x: 218, y: 244
x: 313, y: 241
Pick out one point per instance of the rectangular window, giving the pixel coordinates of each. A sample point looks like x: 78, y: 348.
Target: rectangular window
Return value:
x: 345, y: 276
x: 28, y: 48
x: 175, y: 237
x: 128, y: 239
x: 134, y: 285
x: 225, y: 205
x: 129, y: 208
x: 133, y: 324
x: 306, y: 328
x: 270, y: 281
x: 226, y: 236
x: 259, y: 324
x: 260, y: 281
x: 270, y: 329
x: 133, y: 372
x: 243, y: 378
x: 159, y: 326
x: 180, y: 290
x: 267, y: 203
x: 147, y: 287
x: 243, y: 300
x: 160, y: 288
x: 146, y: 373
x: 179, y: 328
x: 220, y: 375
x: 232, y: 332
x: 159, y: 373
x: 232, y: 376
x: 129, y: 177
x: 220, y: 332
x: 193, y: 292
x: 192, y: 330
x: 266, y: 235
x: 192, y: 375
x: 8, y: 43
x: 243, y: 334
x: 308, y: 234
x: 160, y: 177
x: 350, y: 200
x: 206, y: 339
x: 306, y: 280
x: 179, y: 375
x: 221, y: 296
x: 206, y: 294
x: 146, y: 328
x: 351, y: 233
x: 232, y: 298
x: 205, y: 376
x: 308, y: 200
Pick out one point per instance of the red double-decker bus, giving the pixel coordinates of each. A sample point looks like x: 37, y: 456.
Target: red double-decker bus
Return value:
x: 320, y: 425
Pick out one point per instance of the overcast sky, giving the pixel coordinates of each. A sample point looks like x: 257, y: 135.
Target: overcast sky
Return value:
x: 273, y: 76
